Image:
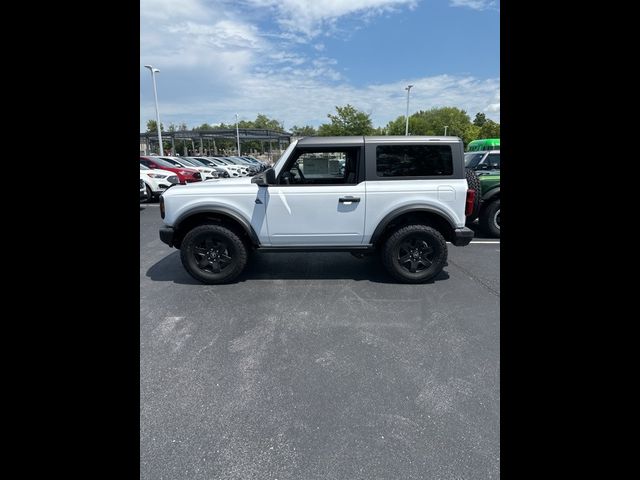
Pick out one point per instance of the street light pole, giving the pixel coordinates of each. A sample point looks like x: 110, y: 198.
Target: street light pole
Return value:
x: 406, y: 127
x: 445, y: 130
x: 155, y: 95
x: 237, y: 135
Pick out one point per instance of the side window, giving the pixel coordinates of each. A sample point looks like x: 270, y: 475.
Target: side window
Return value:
x: 414, y: 160
x: 145, y: 162
x: 322, y: 167
x: 494, y: 161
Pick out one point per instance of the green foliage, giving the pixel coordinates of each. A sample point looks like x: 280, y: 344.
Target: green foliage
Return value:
x: 490, y: 129
x: 348, y: 121
x: 306, y: 131
x: 480, y: 119
x: 433, y: 121
x: 152, y: 126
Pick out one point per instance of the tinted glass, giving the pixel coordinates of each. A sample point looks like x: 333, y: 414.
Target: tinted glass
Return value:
x: 164, y: 163
x: 471, y: 160
x: 493, y: 159
x: 414, y: 160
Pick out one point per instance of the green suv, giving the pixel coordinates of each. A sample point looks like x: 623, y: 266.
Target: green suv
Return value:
x: 486, y: 165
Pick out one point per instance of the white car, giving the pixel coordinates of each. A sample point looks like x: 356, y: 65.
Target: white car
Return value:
x: 402, y: 197
x: 143, y: 190
x: 207, y: 172
x: 156, y: 181
x: 232, y: 169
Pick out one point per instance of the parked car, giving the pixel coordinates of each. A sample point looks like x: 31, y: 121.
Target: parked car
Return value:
x: 401, y: 197
x: 207, y: 172
x: 156, y: 181
x: 222, y: 172
x: 486, y: 165
x: 185, y: 175
x: 233, y: 169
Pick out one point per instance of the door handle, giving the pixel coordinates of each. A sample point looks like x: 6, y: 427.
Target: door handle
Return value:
x: 349, y: 199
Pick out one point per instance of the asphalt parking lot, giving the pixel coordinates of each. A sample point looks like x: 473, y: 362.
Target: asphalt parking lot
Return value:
x: 318, y: 366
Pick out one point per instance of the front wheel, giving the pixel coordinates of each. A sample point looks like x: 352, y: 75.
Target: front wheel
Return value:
x: 415, y: 253
x: 490, y: 219
x: 213, y: 254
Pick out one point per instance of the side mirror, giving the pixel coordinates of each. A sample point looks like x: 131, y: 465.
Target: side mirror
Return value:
x: 266, y: 178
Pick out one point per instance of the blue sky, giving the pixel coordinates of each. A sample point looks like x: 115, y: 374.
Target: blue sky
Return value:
x: 295, y: 60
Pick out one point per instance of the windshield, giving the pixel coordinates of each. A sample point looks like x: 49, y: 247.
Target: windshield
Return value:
x: 165, y: 163
x: 170, y: 161
x: 185, y: 162
x: 225, y: 161
x: 278, y: 165
x: 144, y: 167
x: 472, y: 159
x: 214, y: 161
x: 196, y: 162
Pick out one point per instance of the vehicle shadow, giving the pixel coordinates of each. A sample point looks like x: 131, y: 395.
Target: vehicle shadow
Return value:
x: 478, y: 235
x: 289, y: 266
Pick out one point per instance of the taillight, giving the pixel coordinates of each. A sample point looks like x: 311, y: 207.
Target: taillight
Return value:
x: 471, y: 198
x: 161, y: 207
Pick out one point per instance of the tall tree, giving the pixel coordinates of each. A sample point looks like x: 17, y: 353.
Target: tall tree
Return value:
x: 480, y: 119
x: 152, y: 126
x: 434, y: 121
x: 490, y: 129
x: 348, y: 121
x: 306, y: 131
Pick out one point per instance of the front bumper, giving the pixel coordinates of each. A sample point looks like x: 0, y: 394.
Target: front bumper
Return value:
x: 166, y: 235
x: 462, y: 236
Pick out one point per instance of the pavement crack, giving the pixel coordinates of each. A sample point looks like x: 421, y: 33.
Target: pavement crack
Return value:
x: 476, y: 278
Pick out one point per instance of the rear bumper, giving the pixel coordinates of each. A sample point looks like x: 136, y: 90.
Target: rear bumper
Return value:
x: 462, y: 236
x: 166, y: 235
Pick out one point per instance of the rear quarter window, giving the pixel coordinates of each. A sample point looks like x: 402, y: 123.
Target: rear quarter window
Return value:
x: 414, y: 160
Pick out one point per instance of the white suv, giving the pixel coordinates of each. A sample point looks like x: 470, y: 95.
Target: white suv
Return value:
x: 156, y: 181
x: 403, y: 197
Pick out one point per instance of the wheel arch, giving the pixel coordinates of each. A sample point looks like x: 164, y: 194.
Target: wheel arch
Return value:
x: 218, y: 215
x: 414, y: 214
x: 491, y: 194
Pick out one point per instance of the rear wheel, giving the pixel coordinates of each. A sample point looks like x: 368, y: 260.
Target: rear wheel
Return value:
x: 414, y: 253
x: 490, y: 219
x: 149, y: 194
x: 213, y: 254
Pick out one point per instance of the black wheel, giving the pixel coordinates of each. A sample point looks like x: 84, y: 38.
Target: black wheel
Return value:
x: 490, y: 219
x: 414, y: 253
x: 149, y: 194
x: 213, y: 254
x: 474, y: 183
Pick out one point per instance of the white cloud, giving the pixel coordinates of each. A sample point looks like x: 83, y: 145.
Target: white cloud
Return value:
x: 314, y: 17
x: 214, y: 63
x: 495, y: 106
x: 474, y: 4
x: 301, y: 100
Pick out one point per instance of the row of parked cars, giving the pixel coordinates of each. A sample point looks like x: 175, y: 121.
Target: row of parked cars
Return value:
x: 159, y: 173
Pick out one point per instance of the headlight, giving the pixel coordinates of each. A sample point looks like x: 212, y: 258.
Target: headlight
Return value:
x: 157, y: 175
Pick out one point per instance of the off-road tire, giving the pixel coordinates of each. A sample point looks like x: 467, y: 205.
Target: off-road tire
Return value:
x: 490, y: 218
x: 432, y: 253
x: 206, y: 248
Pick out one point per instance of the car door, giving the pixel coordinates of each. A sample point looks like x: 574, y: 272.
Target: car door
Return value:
x: 315, y: 203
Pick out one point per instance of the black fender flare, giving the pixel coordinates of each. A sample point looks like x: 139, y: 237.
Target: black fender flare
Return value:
x: 389, y: 217
x: 490, y: 194
x: 224, y: 210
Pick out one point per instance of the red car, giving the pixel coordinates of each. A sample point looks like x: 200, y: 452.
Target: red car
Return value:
x: 185, y: 175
